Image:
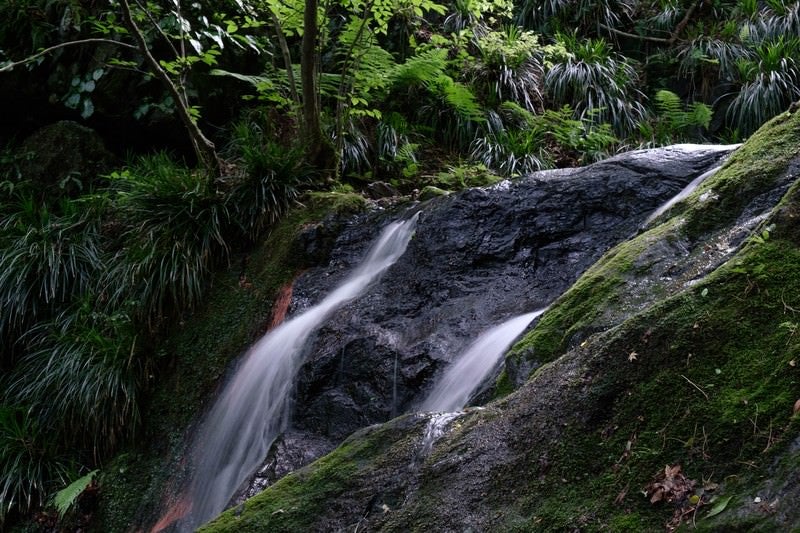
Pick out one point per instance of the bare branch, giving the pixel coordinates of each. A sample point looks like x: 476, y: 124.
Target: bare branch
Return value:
x: 9, y: 66
x: 636, y: 36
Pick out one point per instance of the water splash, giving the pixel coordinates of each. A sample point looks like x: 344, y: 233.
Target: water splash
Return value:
x: 436, y: 427
x: 461, y: 379
x: 253, y: 408
x: 689, y: 189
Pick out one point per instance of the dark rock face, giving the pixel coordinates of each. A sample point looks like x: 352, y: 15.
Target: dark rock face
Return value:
x: 477, y: 259
x: 65, y: 155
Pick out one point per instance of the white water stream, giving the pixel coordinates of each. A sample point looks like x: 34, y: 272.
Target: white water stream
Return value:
x: 252, y: 410
x: 689, y: 189
x: 463, y: 377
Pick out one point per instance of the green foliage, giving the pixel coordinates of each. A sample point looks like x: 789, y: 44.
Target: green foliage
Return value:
x: 771, y: 81
x: 48, y: 258
x: 30, y: 462
x: 64, y: 499
x: 509, y: 67
x: 267, y: 184
x: 519, y: 142
x: 675, y: 121
x: 464, y: 176
x: 173, y: 226
x: 81, y: 370
x: 600, y: 84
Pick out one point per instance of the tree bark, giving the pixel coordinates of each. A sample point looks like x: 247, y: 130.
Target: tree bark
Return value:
x: 312, y: 132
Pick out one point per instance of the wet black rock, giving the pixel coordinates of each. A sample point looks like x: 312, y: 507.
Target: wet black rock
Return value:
x: 478, y: 258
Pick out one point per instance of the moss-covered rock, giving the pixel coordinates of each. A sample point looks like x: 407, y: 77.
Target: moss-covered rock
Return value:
x: 690, y: 360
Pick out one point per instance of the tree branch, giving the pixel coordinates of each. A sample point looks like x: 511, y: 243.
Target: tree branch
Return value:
x: 661, y: 40
x: 203, y: 147
x: 9, y: 66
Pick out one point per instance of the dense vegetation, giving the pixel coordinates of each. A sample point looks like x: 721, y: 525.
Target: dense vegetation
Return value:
x: 94, y: 269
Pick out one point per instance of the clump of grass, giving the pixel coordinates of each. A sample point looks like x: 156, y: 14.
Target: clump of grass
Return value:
x: 47, y: 259
x: 269, y: 180
x: 30, y: 463
x: 80, y: 377
x: 173, y: 236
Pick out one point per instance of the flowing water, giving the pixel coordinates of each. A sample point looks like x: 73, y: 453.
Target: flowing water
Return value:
x: 463, y: 378
x: 689, y: 189
x: 252, y: 410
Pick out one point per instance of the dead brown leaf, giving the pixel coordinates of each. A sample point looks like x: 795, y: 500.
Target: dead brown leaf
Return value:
x: 669, y: 486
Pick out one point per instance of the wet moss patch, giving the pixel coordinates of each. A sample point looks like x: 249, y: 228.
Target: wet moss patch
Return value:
x: 711, y: 386
x: 301, y: 499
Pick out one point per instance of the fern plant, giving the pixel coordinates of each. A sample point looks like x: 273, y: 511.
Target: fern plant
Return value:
x: 675, y: 121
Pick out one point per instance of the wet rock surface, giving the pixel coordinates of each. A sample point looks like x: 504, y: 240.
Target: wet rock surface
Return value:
x: 478, y: 258
x: 562, y: 432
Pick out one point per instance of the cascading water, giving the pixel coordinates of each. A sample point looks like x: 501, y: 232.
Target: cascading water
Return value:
x: 253, y: 407
x: 461, y: 379
x: 686, y: 191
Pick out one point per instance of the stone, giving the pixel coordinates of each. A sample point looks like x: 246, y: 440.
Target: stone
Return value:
x: 65, y: 156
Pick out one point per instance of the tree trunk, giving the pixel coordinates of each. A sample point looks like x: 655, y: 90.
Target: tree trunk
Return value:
x: 312, y: 132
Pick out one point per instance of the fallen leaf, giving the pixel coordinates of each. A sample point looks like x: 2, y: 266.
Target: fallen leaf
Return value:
x: 671, y: 485
x: 632, y: 356
x: 720, y: 506
x: 792, y: 363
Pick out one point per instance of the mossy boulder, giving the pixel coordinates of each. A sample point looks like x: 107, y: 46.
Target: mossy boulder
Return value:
x: 653, y: 359
x: 64, y: 156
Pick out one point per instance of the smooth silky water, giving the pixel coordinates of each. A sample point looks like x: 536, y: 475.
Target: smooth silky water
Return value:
x: 253, y: 408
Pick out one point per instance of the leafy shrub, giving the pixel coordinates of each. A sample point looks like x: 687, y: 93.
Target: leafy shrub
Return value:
x: 173, y: 225
x: 268, y: 181
x: 30, y: 462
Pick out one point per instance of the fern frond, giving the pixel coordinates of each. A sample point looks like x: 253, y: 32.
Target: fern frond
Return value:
x: 421, y: 69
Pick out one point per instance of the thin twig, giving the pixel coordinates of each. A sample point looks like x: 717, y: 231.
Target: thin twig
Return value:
x: 693, y: 384
x: 9, y: 66
x: 635, y: 36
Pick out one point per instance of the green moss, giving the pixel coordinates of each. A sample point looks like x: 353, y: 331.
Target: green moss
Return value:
x: 194, y: 357
x: 602, y: 290
x: 297, y: 501
x: 430, y: 192
x: 712, y: 389
x: 750, y: 171
x: 571, y: 318
x: 337, y: 202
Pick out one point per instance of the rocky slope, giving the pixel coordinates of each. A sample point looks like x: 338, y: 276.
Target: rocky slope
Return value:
x: 668, y: 368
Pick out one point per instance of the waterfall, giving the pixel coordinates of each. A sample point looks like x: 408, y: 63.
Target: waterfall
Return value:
x: 252, y: 409
x: 462, y: 378
x: 681, y: 195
